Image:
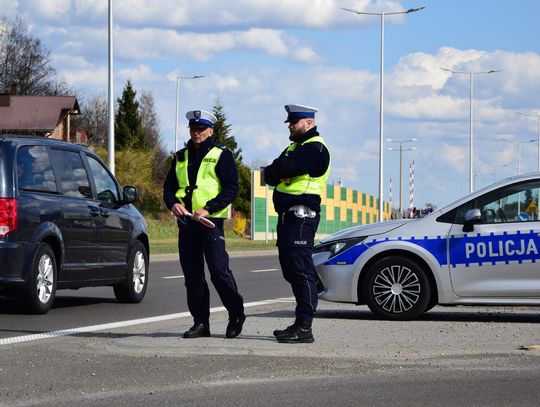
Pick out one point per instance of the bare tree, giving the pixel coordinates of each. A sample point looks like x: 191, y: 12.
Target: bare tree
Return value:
x: 149, y: 119
x: 94, y: 118
x: 150, y: 126
x: 25, y: 62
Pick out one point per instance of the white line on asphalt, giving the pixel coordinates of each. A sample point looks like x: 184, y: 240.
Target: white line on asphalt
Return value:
x: 121, y: 324
x: 174, y: 277
x: 263, y: 271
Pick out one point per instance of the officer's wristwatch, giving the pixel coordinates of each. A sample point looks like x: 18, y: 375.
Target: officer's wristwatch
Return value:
x: 207, y: 208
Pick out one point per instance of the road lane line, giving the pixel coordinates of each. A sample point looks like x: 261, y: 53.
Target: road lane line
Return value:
x: 173, y: 277
x: 121, y: 324
x: 263, y: 270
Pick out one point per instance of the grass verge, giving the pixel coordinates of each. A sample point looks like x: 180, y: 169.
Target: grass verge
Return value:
x: 163, y: 235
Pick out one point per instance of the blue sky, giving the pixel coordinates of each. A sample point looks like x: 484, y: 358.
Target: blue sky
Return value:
x: 259, y: 56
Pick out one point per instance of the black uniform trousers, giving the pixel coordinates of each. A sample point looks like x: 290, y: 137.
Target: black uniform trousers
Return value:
x: 196, y: 243
x: 295, y: 245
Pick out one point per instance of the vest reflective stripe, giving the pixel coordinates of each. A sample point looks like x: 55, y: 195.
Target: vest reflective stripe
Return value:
x: 208, y: 185
x: 305, y: 184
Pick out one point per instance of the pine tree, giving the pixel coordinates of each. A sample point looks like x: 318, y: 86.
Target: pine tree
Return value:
x: 222, y: 135
x: 128, y: 131
x: 222, y: 131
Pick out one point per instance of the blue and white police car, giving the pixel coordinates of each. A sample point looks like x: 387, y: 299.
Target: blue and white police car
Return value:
x: 482, y: 249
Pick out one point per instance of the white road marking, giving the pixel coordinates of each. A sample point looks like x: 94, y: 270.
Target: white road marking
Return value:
x: 263, y: 270
x: 173, y: 277
x: 121, y: 324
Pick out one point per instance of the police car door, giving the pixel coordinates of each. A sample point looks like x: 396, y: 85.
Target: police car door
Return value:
x: 499, y: 257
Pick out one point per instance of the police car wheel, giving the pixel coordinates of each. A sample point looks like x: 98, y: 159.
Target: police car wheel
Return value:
x: 397, y: 288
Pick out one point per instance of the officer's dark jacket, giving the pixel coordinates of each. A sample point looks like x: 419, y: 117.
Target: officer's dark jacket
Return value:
x: 311, y: 158
x: 225, y: 170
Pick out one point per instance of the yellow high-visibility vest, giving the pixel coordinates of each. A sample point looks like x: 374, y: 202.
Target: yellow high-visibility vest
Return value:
x: 207, y: 183
x: 304, y: 184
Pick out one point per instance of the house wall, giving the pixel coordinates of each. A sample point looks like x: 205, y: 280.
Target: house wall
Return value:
x: 340, y: 208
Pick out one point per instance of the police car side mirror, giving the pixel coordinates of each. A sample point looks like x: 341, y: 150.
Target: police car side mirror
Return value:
x: 472, y: 216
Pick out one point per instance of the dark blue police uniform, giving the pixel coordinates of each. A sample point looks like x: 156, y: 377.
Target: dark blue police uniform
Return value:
x: 196, y: 242
x: 296, y: 232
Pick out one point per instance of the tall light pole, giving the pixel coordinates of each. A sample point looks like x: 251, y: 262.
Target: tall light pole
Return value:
x: 471, y: 150
x: 110, y: 90
x: 177, y: 97
x: 537, y: 115
x: 381, y: 97
x: 519, y: 144
x: 401, y: 150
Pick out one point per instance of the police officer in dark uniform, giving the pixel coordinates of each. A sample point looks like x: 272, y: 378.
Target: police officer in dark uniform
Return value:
x: 299, y: 175
x: 203, y: 182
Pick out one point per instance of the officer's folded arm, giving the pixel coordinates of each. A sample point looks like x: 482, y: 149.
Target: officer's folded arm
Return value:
x: 269, y: 177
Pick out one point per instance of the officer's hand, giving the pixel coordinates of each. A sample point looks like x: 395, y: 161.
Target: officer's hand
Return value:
x: 199, y: 213
x: 178, y: 210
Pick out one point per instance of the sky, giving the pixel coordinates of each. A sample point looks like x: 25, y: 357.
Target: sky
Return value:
x: 257, y: 56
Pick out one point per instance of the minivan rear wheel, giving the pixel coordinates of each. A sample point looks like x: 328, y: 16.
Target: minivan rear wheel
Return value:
x: 38, y: 295
x: 133, y: 288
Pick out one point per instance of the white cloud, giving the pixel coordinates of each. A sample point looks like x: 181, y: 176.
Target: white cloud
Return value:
x: 9, y: 7
x: 188, y: 14
x: 454, y: 156
x: 248, y: 13
x: 51, y: 10
x: 141, y: 74
x: 155, y: 43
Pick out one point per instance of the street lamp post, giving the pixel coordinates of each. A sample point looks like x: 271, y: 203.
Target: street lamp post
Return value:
x: 401, y: 150
x: 381, y: 96
x: 471, y: 150
x: 110, y: 96
x: 519, y: 144
x: 177, y: 97
x: 537, y: 115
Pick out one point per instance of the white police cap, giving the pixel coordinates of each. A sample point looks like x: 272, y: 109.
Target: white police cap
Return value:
x: 297, y: 112
x: 201, y: 117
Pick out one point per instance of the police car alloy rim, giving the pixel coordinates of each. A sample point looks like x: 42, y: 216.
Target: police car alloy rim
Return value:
x: 396, y: 289
x: 45, y: 279
x: 139, y: 272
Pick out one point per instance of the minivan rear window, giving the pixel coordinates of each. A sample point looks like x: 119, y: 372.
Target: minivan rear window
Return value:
x: 34, y: 170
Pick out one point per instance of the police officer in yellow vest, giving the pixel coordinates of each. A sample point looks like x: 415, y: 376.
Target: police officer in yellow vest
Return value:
x: 203, y: 181
x: 299, y: 175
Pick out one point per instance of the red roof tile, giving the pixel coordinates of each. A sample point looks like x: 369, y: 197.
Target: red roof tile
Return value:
x: 35, y: 112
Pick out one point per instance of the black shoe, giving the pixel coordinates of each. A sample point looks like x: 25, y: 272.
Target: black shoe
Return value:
x: 234, y: 328
x: 278, y: 332
x: 296, y: 334
x: 197, y: 331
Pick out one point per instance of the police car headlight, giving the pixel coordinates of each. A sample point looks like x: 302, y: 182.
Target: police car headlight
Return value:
x: 337, y: 246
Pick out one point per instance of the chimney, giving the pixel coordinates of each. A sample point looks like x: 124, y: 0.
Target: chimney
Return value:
x: 4, y: 100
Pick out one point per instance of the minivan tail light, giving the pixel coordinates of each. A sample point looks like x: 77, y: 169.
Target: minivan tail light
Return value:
x: 8, y: 215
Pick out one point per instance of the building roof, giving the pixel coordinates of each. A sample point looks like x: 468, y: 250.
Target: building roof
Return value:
x: 37, y: 113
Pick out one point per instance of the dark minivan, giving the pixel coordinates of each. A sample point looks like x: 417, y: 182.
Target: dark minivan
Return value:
x: 66, y: 223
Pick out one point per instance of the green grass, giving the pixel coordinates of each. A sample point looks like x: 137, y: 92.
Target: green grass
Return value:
x: 164, y: 238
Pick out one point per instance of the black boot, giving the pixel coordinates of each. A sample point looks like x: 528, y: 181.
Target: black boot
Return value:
x: 278, y: 332
x: 297, y: 333
x: 235, y: 326
x: 198, y: 330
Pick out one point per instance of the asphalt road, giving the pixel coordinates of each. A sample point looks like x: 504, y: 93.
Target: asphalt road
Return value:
x: 258, y: 278
x: 460, y: 356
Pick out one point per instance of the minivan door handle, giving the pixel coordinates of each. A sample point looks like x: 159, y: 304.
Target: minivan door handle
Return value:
x: 94, y: 211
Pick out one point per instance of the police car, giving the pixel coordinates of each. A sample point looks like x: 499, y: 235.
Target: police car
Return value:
x: 482, y: 249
